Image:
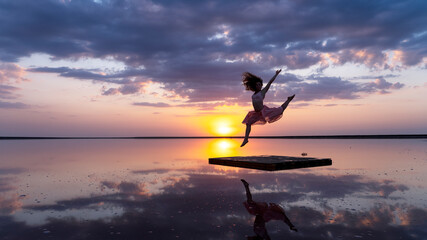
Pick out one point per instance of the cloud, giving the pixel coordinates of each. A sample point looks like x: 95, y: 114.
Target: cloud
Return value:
x: 414, y: 216
x: 125, y: 89
x: 210, y: 91
x: 8, y: 92
x: 13, y: 105
x: 125, y: 187
x: 208, y: 205
x: 413, y: 49
x: 130, y: 80
x: 148, y: 104
x: 108, y: 29
x: 381, y: 85
x: 198, y: 50
x: 333, y: 88
x: 121, y: 77
x: 11, y: 170
x: 6, y: 184
x: 155, y: 171
x: 386, y: 188
x: 9, y: 205
x: 10, y: 72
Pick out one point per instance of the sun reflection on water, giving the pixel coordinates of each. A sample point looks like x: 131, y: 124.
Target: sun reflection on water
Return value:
x: 223, y: 148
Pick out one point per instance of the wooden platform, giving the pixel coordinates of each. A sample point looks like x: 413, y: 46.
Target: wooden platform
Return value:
x: 270, y: 163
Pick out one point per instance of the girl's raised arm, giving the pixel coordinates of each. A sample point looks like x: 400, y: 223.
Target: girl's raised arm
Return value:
x: 264, y: 90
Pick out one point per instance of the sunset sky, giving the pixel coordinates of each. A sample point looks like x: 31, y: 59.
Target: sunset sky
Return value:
x: 173, y: 68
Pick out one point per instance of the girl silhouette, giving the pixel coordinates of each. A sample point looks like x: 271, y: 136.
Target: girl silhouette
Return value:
x: 262, y: 113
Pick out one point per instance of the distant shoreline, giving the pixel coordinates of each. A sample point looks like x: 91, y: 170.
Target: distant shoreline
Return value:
x: 383, y: 136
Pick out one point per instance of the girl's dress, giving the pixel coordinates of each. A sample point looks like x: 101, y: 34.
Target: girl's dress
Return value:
x: 263, y: 114
x: 268, y: 212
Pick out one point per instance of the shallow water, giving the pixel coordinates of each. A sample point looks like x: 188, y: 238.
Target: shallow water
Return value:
x: 165, y: 189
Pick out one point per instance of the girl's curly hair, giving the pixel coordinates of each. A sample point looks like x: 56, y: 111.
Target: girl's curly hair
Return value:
x: 250, y: 80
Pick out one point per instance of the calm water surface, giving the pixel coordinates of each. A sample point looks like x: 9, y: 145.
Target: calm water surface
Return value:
x: 165, y: 189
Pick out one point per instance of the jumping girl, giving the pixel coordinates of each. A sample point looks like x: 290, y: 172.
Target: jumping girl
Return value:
x: 262, y: 113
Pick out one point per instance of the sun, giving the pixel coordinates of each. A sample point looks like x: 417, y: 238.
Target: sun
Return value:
x: 223, y: 127
x: 224, y: 130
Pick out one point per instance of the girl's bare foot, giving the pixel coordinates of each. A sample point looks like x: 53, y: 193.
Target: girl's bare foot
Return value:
x: 244, y: 142
x: 291, y: 97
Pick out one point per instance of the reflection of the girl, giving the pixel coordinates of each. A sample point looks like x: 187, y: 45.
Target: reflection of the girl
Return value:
x: 264, y: 213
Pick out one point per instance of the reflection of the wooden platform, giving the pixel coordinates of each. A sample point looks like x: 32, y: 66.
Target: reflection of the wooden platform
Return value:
x: 270, y: 162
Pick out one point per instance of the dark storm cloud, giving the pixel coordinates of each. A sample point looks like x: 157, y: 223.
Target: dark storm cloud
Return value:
x: 199, y: 49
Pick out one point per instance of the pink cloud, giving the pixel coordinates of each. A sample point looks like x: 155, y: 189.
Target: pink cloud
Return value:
x: 10, y: 72
x: 126, y: 89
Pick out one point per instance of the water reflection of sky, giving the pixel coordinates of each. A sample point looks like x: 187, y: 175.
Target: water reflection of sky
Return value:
x: 165, y: 189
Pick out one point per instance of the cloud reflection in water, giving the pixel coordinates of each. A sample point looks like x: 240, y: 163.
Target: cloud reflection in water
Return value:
x: 138, y: 190
x: 202, y: 204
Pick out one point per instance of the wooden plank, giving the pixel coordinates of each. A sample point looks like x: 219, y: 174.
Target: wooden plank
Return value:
x: 270, y: 162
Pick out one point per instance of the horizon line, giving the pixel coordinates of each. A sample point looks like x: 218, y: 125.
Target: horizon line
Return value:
x: 339, y: 136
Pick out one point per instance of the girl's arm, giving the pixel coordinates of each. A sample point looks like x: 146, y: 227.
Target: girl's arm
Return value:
x: 264, y: 90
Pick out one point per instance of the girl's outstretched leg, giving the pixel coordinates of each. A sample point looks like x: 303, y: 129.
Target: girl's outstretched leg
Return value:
x: 288, y: 222
x: 248, y: 192
x: 281, y: 215
x: 285, y: 104
x: 248, y: 130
